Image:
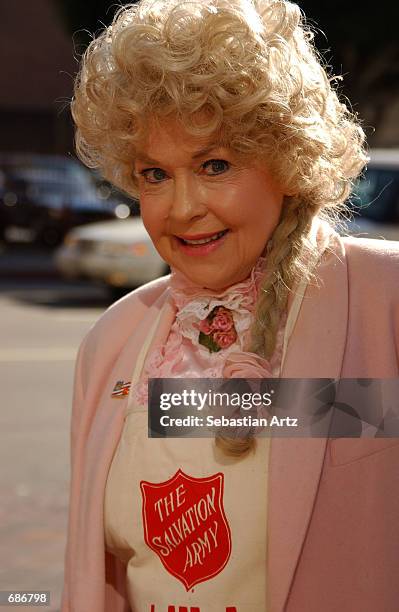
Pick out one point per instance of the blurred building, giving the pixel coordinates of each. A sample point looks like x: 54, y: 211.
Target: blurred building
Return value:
x: 37, y: 68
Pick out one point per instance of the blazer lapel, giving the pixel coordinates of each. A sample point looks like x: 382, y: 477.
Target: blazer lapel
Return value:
x: 315, y: 350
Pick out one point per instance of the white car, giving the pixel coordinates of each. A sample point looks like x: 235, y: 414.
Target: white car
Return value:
x: 118, y: 253
x: 376, y: 198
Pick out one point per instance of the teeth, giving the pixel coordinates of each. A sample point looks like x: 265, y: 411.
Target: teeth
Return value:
x: 205, y: 240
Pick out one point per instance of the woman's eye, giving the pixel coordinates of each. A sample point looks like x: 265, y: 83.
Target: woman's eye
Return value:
x: 217, y: 166
x: 153, y: 175
x: 212, y: 168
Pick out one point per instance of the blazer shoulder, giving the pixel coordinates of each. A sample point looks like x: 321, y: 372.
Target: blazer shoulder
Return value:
x: 372, y: 251
x: 123, y: 316
x: 374, y: 260
x: 139, y: 299
x: 373, y: 266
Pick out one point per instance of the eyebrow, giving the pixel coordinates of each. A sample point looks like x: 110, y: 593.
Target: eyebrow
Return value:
x: 201, y: 153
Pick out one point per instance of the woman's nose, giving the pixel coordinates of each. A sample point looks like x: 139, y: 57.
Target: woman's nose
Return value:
x: 187, y: 201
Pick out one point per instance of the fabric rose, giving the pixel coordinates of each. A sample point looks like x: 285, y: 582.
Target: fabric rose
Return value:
x: 217, y: 330
x: 223, y: 320
x: 225, y: 339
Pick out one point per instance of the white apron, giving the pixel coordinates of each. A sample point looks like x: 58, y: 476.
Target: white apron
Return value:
x: 189, y: 522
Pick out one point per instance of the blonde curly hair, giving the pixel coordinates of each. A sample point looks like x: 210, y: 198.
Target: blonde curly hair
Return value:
x: 251, y: 66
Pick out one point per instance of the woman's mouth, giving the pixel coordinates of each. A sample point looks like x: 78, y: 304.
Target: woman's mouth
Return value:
x: 202, y: 246
x: 204, y: 240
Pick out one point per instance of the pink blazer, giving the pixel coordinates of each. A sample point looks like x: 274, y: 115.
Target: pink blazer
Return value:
x: 333, y: 518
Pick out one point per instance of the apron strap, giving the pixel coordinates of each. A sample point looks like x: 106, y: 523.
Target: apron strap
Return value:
x: 320, y: 244
x: 142, y: 355
x: 292, y: 317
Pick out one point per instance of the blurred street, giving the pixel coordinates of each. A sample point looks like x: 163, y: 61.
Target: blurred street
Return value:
x: 43, y: 321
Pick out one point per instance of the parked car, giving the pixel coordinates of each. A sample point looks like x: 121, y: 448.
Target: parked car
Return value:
x: 128, y: 206
x: 119, y: 254
x: 48, y: 195
x: 375, y: 202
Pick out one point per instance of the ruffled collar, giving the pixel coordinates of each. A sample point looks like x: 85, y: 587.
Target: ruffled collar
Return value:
x: 245, y: 292
x: 228, y: 311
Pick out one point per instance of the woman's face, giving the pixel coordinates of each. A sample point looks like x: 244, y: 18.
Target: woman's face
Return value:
x: 194, y: 190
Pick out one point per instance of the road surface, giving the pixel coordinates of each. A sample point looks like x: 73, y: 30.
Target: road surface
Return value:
x: 41, y: 326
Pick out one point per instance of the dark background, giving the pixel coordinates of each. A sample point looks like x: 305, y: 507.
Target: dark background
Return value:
x: 40, y: 42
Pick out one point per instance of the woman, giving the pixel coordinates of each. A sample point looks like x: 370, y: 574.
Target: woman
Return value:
x: 220, y: 118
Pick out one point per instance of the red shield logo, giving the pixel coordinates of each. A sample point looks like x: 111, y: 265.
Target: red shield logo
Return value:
x: 185, y: 525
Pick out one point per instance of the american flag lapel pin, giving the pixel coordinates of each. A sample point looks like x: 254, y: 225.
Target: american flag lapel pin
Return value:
x: 121, y: 389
